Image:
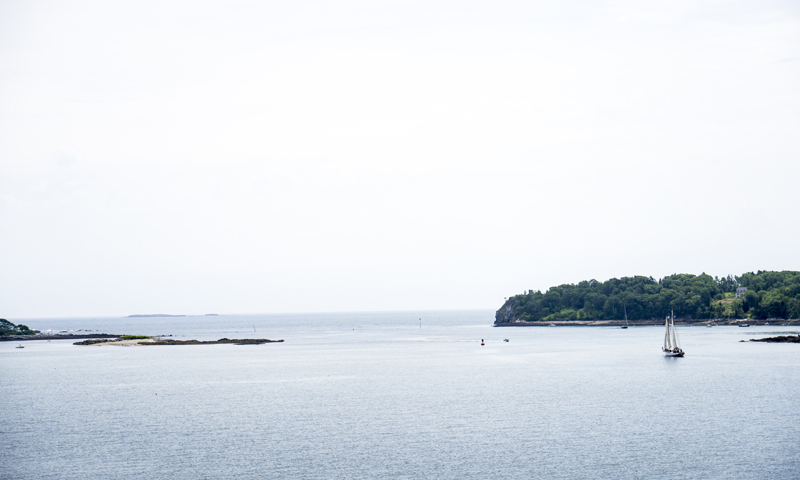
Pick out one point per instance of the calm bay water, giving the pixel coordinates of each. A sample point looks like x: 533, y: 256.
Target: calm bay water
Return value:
x: 376, y: 396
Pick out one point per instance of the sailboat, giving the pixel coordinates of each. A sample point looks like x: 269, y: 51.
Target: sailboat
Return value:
x: 671, y: 348
x: 626, y: 317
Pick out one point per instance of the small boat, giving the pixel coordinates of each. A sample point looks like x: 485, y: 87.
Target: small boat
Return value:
x: 552, y: 325
x: 744, y: 325
x: 671, y: 347
x: 19, y: 346
x: 626, y: 317
x: 505, y: 340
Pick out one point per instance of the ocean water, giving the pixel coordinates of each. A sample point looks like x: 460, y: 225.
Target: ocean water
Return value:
x: 375, y: 396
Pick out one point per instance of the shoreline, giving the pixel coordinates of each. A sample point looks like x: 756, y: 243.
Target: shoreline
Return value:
x: 648, y: 323
x: 66, y: 336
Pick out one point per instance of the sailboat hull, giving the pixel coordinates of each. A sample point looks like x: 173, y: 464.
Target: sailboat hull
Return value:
x: 673, y: 354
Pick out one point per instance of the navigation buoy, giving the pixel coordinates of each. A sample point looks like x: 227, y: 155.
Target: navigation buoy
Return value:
x: 481, y: 341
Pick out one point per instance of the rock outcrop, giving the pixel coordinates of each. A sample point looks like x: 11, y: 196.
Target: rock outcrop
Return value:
x: 781, y: 339
x: 506, y: 314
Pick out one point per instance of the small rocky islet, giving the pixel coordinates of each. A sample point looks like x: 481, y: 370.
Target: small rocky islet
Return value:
x: 779, y: 339
x: 139, y: 340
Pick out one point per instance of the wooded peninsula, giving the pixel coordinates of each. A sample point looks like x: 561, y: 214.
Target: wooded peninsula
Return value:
x: 761, y: 295
x: 8, y: 328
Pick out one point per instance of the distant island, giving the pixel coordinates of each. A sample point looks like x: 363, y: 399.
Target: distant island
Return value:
x: 760, y: 296
x: 153, y: 315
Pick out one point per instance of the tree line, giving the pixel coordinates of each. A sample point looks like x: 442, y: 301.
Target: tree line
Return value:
x: 8, y: 328
x: 768, y: 295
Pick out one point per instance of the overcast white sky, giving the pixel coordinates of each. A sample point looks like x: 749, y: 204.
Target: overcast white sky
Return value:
x: 242, y: 157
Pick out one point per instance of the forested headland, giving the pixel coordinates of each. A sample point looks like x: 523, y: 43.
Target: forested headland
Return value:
x: 8, y: 328
x: 692, y: 297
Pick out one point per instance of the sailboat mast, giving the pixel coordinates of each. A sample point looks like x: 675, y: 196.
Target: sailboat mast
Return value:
x: 672, y: 320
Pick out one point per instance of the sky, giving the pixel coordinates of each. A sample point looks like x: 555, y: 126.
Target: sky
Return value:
x: 317, y: 156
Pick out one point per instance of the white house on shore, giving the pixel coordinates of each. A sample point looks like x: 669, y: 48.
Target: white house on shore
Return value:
x: 740, y: 291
